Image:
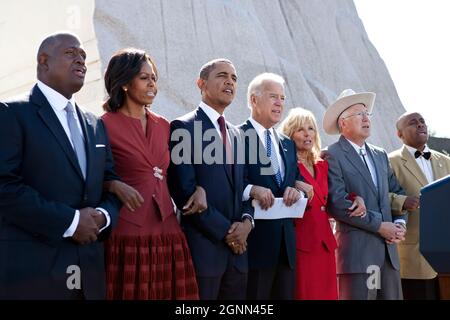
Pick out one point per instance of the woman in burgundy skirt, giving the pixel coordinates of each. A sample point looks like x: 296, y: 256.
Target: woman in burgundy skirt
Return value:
x: 147, y: 256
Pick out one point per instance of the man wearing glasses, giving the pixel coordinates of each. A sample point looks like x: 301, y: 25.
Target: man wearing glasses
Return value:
x: 367, y: 259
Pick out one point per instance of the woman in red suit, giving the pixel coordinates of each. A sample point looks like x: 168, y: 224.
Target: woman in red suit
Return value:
x: 315, y: 260
x: 147, y: 256
x: 315, y: 242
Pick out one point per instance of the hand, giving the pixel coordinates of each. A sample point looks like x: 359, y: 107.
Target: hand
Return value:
x: 197, y: 202
x: 392, y: 233
x: 263, y: 195
x: 306, y: 188
x: 238, y: 248
x: 400, y: 234
x: 411, y: 203
x: 99, y: 218
x: 290, y: 196
x: 87, y: 229
x: 237, y: 236
x: 129, y: 196
x: 358, y: 208
x: 324, y: 154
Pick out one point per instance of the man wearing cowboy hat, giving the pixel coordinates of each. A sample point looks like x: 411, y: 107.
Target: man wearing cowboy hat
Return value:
x: 415, y: 165
x: 367, y: 259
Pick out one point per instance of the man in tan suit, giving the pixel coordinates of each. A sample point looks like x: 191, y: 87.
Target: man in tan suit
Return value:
x: 415, y: 166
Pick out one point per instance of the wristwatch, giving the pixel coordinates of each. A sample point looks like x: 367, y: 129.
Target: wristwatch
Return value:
x: 250, y: 218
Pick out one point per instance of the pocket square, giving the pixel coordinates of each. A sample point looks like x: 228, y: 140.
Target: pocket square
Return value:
x: 99, y: 145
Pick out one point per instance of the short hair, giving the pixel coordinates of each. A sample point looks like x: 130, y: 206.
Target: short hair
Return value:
x: 124, y: 65
x: 206, y: 69
x: 297, y: 118
x: 53, y: 39
x: 401, y: 118
x: 254, y: 87
x: 49, y: 43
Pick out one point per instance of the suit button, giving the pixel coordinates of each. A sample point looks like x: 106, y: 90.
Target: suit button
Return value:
x: 85, y: 197
x: 322, y: 208
x: 153, y: 195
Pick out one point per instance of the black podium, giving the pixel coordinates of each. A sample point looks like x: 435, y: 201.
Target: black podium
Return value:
x: 435, y: 224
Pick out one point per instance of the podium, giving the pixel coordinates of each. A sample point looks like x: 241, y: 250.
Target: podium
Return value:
x: 435, y: 230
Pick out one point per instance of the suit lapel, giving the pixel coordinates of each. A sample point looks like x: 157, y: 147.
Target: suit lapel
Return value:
x: 262, y: 160
x: 437, y: 167
x: 283, y: 149
x: 50, y: 119
x: 206, y: 125
x: 411, y: 165
x: 86, y: 126
x: 355, y: 160
x: 316, y: 182
x: 238, y: 159
x: 375, y: 157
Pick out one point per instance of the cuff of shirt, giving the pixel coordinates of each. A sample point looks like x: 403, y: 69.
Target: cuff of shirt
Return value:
x: 302, y: 193
x: 401, y: 221
x: 249, y: 216
x: 246, y: 194
x: 73, y: 226
x: 108, y: 219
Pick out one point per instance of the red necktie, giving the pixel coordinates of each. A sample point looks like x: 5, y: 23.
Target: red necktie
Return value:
x: 226, y: 144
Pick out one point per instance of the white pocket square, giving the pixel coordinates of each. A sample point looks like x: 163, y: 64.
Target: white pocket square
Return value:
x: 99, y: 145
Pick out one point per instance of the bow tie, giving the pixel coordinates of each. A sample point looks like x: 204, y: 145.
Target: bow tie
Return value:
x: 426, y: 155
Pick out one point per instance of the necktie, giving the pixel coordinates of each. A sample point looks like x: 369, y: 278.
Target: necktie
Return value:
x: 77, y: 138
x: 226, y: 144
x: 273, y: 158
x: 426, y: 155
x: 362, y: 153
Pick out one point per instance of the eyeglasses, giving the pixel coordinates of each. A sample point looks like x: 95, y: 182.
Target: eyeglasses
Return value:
x: 361, y: 114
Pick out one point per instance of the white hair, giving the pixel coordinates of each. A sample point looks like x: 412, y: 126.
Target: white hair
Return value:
x: 255, y: 86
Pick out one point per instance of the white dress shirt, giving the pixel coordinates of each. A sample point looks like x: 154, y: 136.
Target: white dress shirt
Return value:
x: 213, y: 115
x: 261, y: 131
x: 373, y: 171
x: 424, y: 164
x: 58, y: 103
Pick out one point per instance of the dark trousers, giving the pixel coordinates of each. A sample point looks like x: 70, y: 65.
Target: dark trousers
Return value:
x: 277, y: 283
x: 231, y: 285
x: 420, y: 289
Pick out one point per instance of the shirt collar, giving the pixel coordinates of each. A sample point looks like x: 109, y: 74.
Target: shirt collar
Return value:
x: 212, y: 114
x: 260, y: 130
x: 57, y: 101
x: 413, y: 150
x: 356, y: 147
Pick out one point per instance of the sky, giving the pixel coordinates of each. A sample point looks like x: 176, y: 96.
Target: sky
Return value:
x: 412, y: 37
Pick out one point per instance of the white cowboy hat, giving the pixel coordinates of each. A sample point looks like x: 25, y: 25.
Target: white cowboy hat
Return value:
x: 346, y: 99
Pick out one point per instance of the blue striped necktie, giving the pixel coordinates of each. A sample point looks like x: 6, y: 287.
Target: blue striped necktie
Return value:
x: 273, y: 158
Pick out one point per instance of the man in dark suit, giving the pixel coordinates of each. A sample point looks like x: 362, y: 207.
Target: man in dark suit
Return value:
x: 217, y: 236
x: 271, y: 246
x: 54, y: 159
